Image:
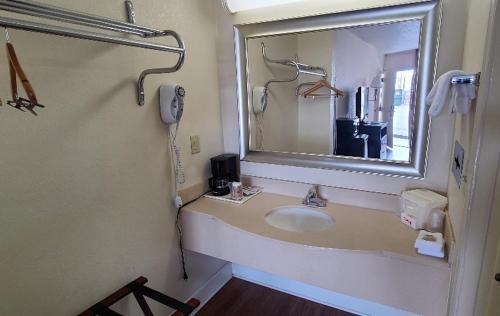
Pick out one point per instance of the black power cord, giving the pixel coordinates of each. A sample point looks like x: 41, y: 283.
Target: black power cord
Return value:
x: 179, y: 231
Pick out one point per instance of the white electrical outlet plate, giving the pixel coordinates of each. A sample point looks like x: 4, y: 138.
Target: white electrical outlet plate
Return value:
x: 195, y: 144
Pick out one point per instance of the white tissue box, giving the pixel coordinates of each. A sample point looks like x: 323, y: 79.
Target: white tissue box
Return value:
x: 429, y: 240
x: 438, y: 254
x: 430, y: 244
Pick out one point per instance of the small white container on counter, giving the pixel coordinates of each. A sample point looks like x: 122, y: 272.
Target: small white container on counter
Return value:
x: 419, y: 203
x: 435, y: 222
x: 430, y: 244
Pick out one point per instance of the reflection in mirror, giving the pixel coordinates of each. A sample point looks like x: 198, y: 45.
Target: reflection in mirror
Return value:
x: 342, y: 92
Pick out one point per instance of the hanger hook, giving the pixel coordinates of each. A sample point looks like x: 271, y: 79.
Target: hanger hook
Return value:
x: 7, y: 35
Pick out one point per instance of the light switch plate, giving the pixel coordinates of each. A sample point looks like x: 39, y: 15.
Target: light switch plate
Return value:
x: 195, y: 144
x: 458, y: 163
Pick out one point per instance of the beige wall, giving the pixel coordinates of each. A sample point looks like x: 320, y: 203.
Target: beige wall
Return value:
x: 354, y: 67
x: 280, y: 118
x: 85, y: 192
x: 450, y: 57
x: 290, y: 123
x: 315, y: 135
x: 470, y: 207
x: 477, y: 23
x: 489, y: 290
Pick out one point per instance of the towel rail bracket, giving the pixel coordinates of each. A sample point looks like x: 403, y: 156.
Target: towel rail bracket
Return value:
x: 467, y: 79
x: 129, y: 6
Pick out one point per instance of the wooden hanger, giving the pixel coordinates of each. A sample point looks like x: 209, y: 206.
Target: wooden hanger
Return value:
x: 322, y: 84
x: 15, y: 70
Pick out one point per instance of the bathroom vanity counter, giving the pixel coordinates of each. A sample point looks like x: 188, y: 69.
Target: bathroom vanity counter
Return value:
x: 366, y: 254
x: 355, y: 228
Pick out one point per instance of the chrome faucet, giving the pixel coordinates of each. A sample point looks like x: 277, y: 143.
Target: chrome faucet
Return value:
x: 313, y: 199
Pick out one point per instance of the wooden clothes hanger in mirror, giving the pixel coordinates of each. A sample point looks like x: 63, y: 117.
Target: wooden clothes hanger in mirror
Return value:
x: 322, y: 84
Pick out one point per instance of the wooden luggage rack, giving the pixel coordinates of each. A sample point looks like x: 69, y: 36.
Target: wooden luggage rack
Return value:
x: 139, y: 290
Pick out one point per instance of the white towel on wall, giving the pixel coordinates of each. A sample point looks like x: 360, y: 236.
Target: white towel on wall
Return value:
x: 461, y: 95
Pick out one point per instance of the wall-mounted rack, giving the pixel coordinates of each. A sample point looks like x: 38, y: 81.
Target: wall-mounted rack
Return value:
x: 467, y: 79
x: 32, y: 8
x: 300, y: 68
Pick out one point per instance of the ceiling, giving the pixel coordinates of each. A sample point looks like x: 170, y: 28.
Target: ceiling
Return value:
x: 390, y: 38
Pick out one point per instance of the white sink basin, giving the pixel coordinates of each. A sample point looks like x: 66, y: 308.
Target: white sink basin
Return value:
x: 298, y: 219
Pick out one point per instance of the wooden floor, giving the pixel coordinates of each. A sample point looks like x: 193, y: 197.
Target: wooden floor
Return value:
x: 242, y: 298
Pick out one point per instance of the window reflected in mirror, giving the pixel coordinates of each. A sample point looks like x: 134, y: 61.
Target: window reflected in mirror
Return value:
x: 340, y: 92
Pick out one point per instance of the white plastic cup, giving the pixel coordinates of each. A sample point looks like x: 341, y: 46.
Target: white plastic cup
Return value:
x: 236, y: 191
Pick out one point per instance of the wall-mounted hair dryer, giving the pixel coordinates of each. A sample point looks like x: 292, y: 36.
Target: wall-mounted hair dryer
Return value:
x: 171, y: 103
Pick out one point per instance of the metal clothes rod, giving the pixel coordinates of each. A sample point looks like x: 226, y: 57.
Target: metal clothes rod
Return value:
x: 303, y: 68
x: 35, y: 9
x: 69, y: 32
x: 467, y: 79
x: 300, y: 68
x: 55, y: 13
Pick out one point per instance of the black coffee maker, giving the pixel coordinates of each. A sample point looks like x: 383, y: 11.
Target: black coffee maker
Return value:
x: 225, y: 169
